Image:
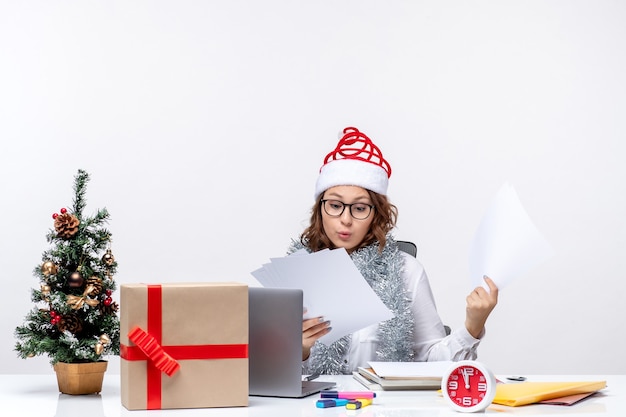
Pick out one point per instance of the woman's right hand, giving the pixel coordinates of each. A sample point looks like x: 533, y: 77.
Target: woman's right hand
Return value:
x: 312, y: 330
x: 480, y: 303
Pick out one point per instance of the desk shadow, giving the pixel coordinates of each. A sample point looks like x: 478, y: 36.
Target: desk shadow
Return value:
x: 80, y: 406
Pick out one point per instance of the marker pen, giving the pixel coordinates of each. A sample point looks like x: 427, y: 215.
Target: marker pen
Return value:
x: 360, y: 403
x: 331, y: 402
x: 350, y: 395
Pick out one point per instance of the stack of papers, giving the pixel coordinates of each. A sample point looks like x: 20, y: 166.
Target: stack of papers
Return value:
x: 329, y: 281
x: 402, y: 375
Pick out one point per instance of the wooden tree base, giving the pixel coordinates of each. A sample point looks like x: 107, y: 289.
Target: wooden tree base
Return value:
x: 80, y: 378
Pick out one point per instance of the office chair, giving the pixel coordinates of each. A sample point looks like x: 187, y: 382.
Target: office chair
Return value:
x: 411, y: 249
x: 408, y: 247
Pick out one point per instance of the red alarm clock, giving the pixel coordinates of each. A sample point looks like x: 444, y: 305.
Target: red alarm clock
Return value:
x: 468, y: 386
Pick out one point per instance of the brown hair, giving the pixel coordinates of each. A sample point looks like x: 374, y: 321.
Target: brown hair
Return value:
x: 385, y: 216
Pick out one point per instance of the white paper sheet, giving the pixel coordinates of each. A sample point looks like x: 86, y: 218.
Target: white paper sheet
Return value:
x: 333, y: 288
x: 506, y: 244
x: 410, y: 369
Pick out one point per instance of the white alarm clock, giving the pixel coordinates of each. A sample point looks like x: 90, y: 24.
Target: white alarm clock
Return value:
x: 468, y: 386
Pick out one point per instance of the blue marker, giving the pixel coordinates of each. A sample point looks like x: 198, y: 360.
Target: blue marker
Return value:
x: 330, y: 402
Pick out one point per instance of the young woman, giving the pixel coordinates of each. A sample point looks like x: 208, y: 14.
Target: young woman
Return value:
x: 352, y: 212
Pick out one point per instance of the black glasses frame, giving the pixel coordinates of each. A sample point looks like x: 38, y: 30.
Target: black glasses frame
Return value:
x: 343, y: 208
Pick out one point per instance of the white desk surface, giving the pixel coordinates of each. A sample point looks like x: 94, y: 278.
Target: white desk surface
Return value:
x: 37, y: 395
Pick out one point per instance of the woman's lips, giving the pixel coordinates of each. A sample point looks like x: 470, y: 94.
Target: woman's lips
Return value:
x: 344, y: 235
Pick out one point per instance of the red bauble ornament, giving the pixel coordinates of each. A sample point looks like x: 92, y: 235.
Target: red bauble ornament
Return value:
x: 55, y: 215
x: 63, y: 210
x: 108, y: 301
x: 108, y: 292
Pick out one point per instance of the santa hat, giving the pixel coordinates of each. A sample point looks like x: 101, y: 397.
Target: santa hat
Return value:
x: 355, y: 161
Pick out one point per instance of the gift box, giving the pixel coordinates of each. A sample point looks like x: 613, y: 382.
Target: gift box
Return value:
x: 184, y: 345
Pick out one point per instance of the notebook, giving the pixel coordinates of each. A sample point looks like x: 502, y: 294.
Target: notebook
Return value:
x: 275, y: 344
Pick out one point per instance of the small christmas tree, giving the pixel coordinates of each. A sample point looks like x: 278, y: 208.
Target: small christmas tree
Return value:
x: 75, y: 319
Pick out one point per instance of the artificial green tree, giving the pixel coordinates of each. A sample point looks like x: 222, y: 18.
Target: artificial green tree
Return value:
x: 75, y: 318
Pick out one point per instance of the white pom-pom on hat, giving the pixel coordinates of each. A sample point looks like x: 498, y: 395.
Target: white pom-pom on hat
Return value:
x: 355, y: 161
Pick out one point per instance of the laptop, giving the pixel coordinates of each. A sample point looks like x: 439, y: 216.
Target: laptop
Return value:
x: 275, y: 344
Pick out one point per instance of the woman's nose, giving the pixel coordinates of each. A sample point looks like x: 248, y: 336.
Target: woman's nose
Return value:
x: 346, y: 217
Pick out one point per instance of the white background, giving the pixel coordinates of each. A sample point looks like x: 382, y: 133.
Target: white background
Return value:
x: 203, y: 125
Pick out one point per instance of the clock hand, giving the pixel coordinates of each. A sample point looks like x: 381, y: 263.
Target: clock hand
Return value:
x: 465, y: 378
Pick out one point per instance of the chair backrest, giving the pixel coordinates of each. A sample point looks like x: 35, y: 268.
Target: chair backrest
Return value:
x: 411, y: 249
x: 408, y: 247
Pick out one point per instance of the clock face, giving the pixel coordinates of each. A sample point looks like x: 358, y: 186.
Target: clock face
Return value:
x: 469, y: 386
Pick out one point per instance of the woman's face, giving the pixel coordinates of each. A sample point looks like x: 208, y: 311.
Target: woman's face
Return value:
x: 344, y: 231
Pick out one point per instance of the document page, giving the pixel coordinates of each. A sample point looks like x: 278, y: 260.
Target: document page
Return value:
x: 410, y: 369
x: 506, y: 244
x: 332, y: 286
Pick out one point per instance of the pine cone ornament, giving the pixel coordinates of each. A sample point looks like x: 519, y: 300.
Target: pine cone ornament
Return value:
x: 96, y: 283
x: 66, y: 225
x: 71, y: 323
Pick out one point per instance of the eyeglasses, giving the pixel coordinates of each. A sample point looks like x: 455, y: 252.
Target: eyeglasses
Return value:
x: 335, y: 208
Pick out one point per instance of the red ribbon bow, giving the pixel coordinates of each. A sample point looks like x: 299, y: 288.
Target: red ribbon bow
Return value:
x: 154, y: 351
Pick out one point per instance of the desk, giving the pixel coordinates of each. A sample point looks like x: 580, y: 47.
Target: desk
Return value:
x: 37, y: 395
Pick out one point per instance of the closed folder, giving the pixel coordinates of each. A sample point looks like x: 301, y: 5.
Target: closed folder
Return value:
x: 524, y: 393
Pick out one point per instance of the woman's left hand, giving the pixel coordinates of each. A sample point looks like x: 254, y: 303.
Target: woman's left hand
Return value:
x: 480, y: 303
x: 312, y: 330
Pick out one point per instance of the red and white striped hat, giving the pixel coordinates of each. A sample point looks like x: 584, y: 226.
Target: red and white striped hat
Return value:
x: 355, y: 161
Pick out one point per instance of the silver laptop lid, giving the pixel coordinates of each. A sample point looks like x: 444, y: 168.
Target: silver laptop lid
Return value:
x: 275, y: 344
